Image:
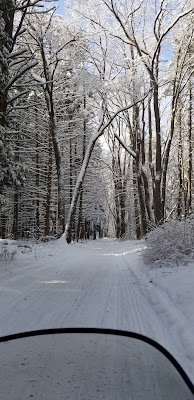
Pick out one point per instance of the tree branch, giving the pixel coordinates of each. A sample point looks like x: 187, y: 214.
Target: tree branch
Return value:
x: 23, y: 71
x: 168, y: 30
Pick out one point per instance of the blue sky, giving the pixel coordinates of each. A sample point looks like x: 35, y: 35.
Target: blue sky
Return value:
x: 60, y: 5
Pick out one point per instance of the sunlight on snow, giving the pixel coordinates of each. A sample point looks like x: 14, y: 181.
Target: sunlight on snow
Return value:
x: 124, y: 253
x: 52, y: 282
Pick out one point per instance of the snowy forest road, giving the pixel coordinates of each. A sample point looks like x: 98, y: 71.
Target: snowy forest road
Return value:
x: 101, y: 283
x: 92, y: 288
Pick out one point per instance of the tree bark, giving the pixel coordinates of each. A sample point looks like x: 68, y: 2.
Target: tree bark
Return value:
x: 37, y: 180
x: 49, y: 184
x: 136, y: 202
x: 7, y: 9
x: 158, y: 208
x: 180, y: 168
x: 189, y: 186
x: 16, y: 215
x: 80, y: 225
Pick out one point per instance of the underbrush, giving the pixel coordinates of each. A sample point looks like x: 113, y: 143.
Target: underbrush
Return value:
x: 7, y: 254
x: 170, y: 244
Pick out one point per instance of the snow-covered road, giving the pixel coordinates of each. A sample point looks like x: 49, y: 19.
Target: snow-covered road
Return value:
x: 101, y: 283
x: 84, y: 285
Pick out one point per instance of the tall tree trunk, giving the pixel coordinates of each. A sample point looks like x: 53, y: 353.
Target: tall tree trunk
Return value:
x: 117, y: 211
x: 80, y: 216
x: 143, y: 134
x: 150, y: 158
x: 16, y: 215
x: 122, y: 207
x: 140, y: 184
x: 136, y: 202
x: 143, y: 170
x: 70, y: 171
x: 189, y: 186
x: 3, y: 107
x: 147, y: 197
x: 180, y: 167
x: 37, y: 188
x: 16, y: 193
x: 80, y: 225
x: 48, y: 92
x: 7, y: 14
x: 37, y: 175
x: 52, y: 125
x: 158, y: 208
x: 68, y: 228
x: 49, y: 184
x: 140, y: 181
x: 168, y: 147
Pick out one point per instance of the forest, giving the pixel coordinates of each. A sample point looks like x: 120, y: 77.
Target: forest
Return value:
x: 96, y: 117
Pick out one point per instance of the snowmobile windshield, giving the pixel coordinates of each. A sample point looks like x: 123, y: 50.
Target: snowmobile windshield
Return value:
x: 89, y: 364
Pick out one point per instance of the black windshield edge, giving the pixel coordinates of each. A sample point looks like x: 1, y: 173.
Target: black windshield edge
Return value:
x: 115, y: 332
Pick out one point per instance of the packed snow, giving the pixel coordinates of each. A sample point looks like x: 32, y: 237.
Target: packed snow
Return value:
x: 102, y: 283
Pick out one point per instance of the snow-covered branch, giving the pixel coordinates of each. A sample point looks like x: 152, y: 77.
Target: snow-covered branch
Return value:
x: 20, y: 73
x: 17, y: 96
x: 168, y: 30
x: 121, y: 141
x: 16, y: 53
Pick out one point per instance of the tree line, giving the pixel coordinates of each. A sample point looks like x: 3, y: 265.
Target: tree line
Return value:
x: 96, y: 117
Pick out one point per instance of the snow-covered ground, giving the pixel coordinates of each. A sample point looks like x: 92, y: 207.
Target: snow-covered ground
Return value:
x: 101, y: 283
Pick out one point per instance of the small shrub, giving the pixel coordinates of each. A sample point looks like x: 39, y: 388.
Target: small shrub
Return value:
x: 170, y: 244
x: 7, y: 255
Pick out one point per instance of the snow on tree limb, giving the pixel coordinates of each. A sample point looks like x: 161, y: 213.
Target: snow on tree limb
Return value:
x: 17, y: 96
x: 169, y: 29
x: 130, y: 151
x: 38, y: 78
x: 22, y: 72
x: 29, y: 4
x: 17, y: 53
x: 106, y: 125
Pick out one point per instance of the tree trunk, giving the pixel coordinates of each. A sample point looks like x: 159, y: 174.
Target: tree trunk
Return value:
x: 147, y: 196
x: 70, y: 171
x: 80, y: 217
x: 180, y: 169
x: 3, y: 107
x: 144, y: 174
x: 52, y: 125
x: 80, y: 179
x: 122, y: 207
x: 143, y: 134
x: 136, y: 203
x: 117, y: 211
x: 140, y: 180
x: 158, y: 208
x: 80, y: 225
x: 16, y: 192
x: 37, y: 175
x: 48, y: 92
x: 16, y: 215
x: 7, y: 9
x: 168, y: 147
x: 49, y: 184
x: 189, y: 186
x: 140, y: 184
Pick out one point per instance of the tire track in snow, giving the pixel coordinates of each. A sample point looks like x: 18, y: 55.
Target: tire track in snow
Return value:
x: 102, y: 290
x: 166, y: 322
